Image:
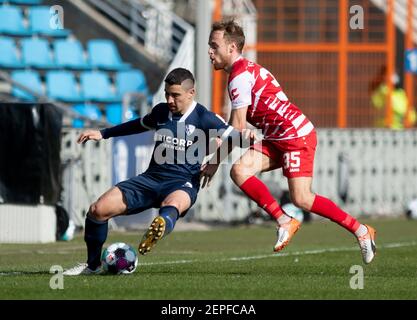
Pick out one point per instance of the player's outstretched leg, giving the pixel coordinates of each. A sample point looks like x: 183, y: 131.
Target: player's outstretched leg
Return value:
x: 160, y: 227
x: 95, y: 235
x: 365, y: 234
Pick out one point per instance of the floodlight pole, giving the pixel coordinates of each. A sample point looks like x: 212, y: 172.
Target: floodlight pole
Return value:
x: 203, y: 67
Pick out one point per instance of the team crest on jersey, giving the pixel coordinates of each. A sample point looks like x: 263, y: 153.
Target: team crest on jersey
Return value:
x: 189, y: 129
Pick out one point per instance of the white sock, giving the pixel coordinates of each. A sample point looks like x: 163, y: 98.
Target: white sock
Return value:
x: 283, y: 219
x: 362, y: 230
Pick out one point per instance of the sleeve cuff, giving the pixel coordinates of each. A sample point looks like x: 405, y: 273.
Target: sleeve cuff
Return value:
x: 104, y: 133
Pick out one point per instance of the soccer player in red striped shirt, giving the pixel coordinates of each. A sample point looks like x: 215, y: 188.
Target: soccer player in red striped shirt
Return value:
x: 289, y: 141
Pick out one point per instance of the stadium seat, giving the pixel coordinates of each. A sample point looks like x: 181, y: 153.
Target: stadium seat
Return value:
x: 96, y: 86
x: 61, y: 85
x: 29, y: 79
x: 36, y: 53
x: 89, y: 110
x: 131, y: 81
x: 23, y: 2
x: 11, y: 21
x: 8, y: 54
x: 39, y: 22
x: 103, y: 54
x: 69, y: 54
x: 114, y: 114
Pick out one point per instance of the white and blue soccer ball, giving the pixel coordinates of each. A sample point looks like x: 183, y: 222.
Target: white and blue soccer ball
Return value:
x: 119, y: 258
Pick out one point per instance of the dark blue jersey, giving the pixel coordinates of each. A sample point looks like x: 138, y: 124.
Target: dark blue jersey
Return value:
x: 181, y: 141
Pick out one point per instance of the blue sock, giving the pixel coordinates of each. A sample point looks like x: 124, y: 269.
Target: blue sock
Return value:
x: 170, y: 214
x: 95, y: 235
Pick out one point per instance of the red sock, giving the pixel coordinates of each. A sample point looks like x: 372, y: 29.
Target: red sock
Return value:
x: 327, y: 208
x: 259, y: 192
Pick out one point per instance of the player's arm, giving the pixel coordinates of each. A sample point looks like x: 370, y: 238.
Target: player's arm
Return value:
x: 227, y: 140
x: 135, y: 126
x: 240, y: 93
x: 238, y: 118
x: 238, y: 121
x: 226, y: 144
x: 124, y: 129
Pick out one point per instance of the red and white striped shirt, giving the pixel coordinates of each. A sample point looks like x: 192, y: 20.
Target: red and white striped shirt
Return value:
x: 268, y: 107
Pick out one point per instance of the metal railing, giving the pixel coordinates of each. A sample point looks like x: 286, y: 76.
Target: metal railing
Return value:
x: 151, y: 24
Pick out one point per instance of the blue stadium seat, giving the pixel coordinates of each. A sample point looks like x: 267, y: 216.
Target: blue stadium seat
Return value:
x: 39, y: 22
x: 69, y: 54
x: 36, y: 53
x: 61, y: 85
x: 96, y: 86
x: 114, y: 114
x: 131, y: 81
x: 29, y: 79
x: 8, y: 54
x: 23, y: 2
x: 11, y: 21
x: 103, y: 54
x: 89, y: 110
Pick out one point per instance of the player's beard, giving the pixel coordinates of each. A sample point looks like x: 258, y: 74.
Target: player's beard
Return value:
x: 218, y: 65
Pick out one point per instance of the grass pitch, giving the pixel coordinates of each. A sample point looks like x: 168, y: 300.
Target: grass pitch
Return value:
x: 228, y: 263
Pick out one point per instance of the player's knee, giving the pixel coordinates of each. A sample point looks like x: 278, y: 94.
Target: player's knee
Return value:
x: 236, y: 172
x: 98, y: 212
x: 171, y: 203
x: 301, y: 201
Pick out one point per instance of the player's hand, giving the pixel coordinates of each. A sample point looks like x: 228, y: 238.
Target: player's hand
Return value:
x: 89, y: 135
x: 208, y: 170
x: 250, y: 135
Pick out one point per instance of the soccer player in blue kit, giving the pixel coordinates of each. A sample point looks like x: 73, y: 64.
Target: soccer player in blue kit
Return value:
x: 171, y: 182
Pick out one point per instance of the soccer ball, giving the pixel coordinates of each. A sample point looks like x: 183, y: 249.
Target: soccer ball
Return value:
x: 119, y: 258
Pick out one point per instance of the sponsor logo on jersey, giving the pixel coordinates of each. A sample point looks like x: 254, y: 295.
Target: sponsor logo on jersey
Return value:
x: 173, y: 142
x: 234, y: 94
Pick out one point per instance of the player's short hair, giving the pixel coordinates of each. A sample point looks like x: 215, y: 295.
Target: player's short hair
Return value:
x: 232, y: 32
x: 178, y: 76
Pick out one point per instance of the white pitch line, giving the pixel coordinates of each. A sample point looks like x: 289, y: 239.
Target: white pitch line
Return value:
x: 286, y: 254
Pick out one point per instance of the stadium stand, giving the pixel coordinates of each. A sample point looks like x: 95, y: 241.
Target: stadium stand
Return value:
x: 61, y: 67
x: 132, y: 81
x: 11, y: 21
x: 90, y: 110
x: 40, y: 19
x: 61, y: 85
x: 30, y: 79
x: 103, y: 54
x: 9, y: 57
x: 36, y: 53
x: 96, y: 87
x: 22, y: 2
x: 114, y: 113
x: 69, y: 54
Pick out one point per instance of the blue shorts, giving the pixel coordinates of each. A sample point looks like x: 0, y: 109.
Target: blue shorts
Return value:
x: 148, y: 190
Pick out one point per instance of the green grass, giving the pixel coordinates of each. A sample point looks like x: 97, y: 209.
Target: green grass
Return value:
x: 211, y: 265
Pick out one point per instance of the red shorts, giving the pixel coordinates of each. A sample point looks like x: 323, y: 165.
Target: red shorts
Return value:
x: 295, y: 156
